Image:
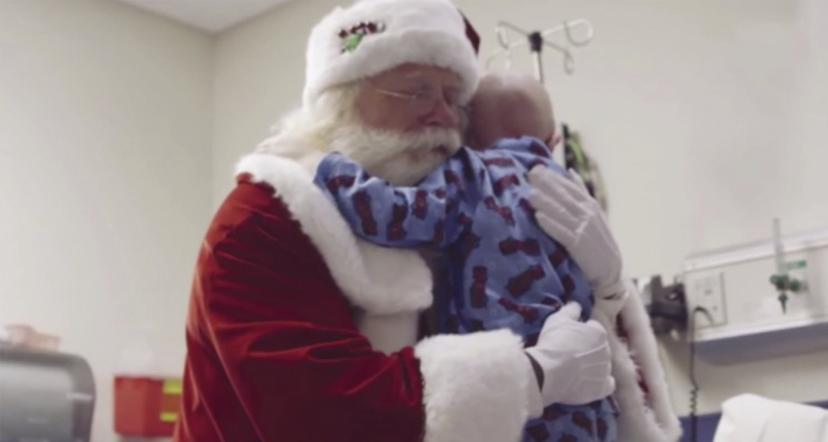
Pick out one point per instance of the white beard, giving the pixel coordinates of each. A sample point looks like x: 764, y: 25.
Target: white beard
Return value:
x: 399, y: 157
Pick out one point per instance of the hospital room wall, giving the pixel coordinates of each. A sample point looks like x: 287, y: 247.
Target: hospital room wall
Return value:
x: 707, y: 118
x: 105, y: 171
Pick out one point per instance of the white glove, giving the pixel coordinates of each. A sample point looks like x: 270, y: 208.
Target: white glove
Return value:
x: 567, y: 213
x: 575, y: 358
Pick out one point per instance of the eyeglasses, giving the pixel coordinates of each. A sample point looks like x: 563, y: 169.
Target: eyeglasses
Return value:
x: 423, y: 101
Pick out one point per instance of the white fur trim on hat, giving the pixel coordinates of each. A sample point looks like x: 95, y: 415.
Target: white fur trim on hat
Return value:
x: 430, y: 32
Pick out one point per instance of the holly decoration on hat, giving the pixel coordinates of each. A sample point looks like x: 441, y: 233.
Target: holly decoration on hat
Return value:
x: 351, y: 38
x: 351, y: 42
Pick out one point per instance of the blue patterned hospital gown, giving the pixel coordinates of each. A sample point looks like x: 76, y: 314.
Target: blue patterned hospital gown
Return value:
x: 504, y: 271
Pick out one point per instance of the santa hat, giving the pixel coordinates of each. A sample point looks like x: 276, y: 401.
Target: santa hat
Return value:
x: 372, y: 36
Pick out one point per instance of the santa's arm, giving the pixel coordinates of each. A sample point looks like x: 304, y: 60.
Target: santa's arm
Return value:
x: 431, y: 213
x: 307, y: 375
x: 287, y: 343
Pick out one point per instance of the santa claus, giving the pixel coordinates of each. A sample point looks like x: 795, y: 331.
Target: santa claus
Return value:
x: 297, y: 331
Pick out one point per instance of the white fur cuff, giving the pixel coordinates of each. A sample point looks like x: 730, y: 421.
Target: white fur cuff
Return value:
x: 475, y: 387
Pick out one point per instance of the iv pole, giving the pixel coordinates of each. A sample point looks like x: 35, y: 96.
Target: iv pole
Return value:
x: 536, y: 40
x: 574, y: 156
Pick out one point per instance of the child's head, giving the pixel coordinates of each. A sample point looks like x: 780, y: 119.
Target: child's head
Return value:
x: 509, y: 106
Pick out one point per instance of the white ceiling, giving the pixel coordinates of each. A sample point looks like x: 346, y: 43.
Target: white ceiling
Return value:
x: 209, y: 15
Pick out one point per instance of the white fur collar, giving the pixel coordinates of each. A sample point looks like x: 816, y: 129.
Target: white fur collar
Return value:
x: 370, y: 276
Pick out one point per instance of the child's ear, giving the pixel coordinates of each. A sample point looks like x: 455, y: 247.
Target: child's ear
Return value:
x: 553, y: 141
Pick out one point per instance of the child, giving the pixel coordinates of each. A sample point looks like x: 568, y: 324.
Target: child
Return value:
x: 504, y: 270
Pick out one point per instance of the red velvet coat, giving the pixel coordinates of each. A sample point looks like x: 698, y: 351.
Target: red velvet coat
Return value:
x: 275, y: 350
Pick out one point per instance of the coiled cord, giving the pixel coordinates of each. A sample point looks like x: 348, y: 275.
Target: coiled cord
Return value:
x: 694, y: 384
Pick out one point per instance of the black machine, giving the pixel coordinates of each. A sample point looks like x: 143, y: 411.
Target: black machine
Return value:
x: 667, y: 307
x: 44, y: 396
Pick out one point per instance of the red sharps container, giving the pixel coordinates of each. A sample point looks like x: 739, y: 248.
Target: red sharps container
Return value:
x: 146, y: 406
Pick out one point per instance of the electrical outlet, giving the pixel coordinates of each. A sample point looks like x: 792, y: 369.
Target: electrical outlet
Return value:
x: 708, y: 292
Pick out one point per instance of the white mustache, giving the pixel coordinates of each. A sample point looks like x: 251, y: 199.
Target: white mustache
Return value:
x: 401, y: 157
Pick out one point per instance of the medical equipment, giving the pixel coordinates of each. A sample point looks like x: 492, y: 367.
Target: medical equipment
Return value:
x: 742, y: 318
x: 146, y: 397
x: 537, y: 40
x: 730, y: 312
x: 666, y: 304
x: 745, y: 319
x: 780, y: 279
x: 577, y: 33
x: 146, y: 406
x: 44, y: 396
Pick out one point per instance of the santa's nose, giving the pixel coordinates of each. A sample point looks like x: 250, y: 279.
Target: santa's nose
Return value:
x: 443, y: 115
